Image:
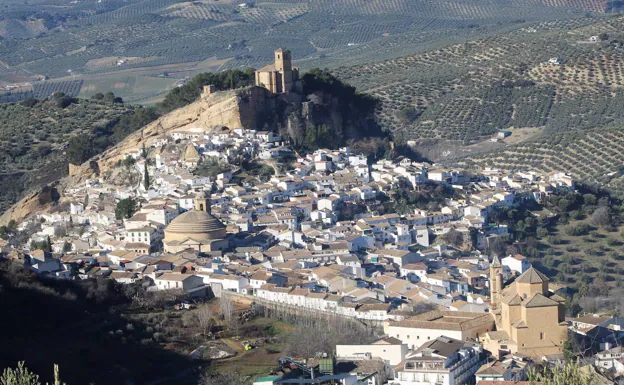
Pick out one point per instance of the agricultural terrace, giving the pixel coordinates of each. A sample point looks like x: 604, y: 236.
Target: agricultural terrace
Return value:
x: 591, y: 157
x: 116, y: 35
x: 467, y: 92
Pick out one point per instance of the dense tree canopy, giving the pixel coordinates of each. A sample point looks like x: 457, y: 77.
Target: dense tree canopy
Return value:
x: 188, y: 93
x: 126, y: 208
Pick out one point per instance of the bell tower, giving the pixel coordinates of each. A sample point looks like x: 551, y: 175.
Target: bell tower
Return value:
x: 283, y: 60
x: 202, y: 202
x: 496, y: 282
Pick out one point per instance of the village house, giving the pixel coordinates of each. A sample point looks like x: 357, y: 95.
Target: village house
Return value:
x: 417, y: 330
x: 443, y: 360
x: 176, y: 281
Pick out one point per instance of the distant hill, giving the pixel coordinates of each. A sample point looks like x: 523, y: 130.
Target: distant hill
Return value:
x: 593, y: 157
x: 467, y: 92
x: 135, y: 46
x: 556, y: 86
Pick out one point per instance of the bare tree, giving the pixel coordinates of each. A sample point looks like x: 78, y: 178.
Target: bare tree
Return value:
x: 204, y: 318
x: 227, y: 309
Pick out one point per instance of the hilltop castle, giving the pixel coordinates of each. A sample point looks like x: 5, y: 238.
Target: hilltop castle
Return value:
x: 281, y: 76
x: 529, y: 319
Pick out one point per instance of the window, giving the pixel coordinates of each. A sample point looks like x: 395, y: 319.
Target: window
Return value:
x: 541, y: 336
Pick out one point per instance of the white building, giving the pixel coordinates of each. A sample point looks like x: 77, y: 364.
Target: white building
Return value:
x: 390, y: 350
x: 442, y: 361
x: 233, y: 283
x: 516, y: 263
x: 420, y: 329
x: 172, y: 281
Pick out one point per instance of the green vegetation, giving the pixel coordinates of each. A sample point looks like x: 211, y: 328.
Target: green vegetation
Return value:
x: 146, y: 178
x: 22, y: 376
x: 212, y: 168
x: 79, y: 42
x: 84, y: 146
x: 188, y: 93
x: 467, y: 92
x: 570, y: 373
x: 45, y: 245
x: 576, y: 240
x: 39, y: 136
x: 336, y: 113
x: 126, y: 208
x: 592, y: 157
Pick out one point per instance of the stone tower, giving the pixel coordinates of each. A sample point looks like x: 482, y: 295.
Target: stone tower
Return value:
x: 279, y: 77
x: 496, y: 282
x: 283, y: 60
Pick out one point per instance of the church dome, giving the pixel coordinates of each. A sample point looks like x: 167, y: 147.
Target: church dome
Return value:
x: 198, y: 225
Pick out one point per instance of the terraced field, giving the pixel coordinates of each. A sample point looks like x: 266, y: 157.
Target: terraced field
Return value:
x: 322, y: 33
x: 467, y: 92
x: 593, y: 157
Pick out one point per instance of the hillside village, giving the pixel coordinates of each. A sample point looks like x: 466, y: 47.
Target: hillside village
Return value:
x: 312, y: 232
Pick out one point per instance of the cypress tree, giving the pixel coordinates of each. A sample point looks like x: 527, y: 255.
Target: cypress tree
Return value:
x: 48, y: 246
x: 146, y: 180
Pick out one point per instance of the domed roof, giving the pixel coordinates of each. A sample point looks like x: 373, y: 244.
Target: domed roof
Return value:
x: 196, y: 222
x: 202, y: 194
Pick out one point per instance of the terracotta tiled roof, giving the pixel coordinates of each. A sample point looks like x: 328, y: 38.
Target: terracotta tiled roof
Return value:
x: 446, y: 320
x: 532, y: 276
x: 538, y: 300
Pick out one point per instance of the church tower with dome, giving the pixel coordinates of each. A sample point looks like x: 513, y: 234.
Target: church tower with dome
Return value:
x: 196, y: 229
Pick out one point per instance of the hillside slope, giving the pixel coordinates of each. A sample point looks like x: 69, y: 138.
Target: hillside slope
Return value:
x: 221, y: 109
x: 34, y: 136
x: 144, y: 46
x: 593, y: 157
x: 84, y: 327
x: 467, y: 92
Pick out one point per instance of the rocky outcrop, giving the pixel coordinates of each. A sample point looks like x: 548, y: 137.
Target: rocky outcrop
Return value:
x: 39, y: 201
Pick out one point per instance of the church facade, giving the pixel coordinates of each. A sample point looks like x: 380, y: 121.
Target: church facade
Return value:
x: 529, y: 319
x: 279, y: 77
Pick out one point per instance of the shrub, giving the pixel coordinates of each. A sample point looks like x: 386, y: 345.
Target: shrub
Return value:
x: 577, y: 230
x: 601, y: 217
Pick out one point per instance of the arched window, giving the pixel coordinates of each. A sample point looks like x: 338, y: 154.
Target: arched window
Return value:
x: 201, y: 207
